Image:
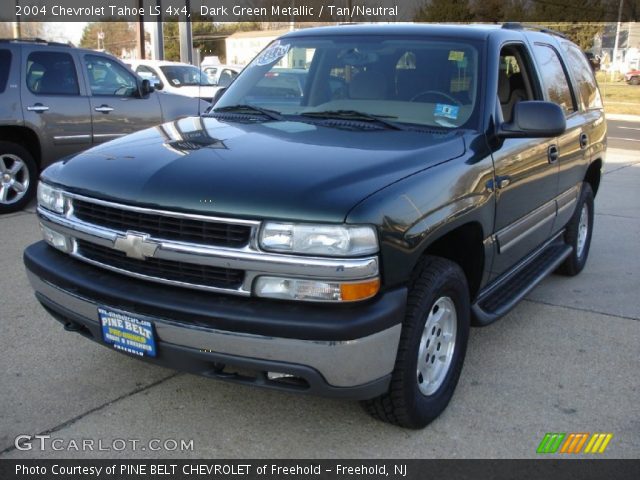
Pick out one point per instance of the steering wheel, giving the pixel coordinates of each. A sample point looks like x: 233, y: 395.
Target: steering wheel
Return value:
x: 437, y: 93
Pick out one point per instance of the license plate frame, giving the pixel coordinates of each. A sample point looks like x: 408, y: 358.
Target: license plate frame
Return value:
x: 127, y: 333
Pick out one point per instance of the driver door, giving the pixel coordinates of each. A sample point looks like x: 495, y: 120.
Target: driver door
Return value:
x: 116, y: 107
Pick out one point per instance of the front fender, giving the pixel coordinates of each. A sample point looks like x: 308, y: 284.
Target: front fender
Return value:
x: 417, y: 211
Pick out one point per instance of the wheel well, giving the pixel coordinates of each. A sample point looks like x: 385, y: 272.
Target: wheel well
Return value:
x: 26, y: 137
x: 593, y: 175
x: 464, y: 246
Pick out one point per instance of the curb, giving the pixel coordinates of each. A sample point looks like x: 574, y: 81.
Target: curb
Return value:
x: 622, y: 117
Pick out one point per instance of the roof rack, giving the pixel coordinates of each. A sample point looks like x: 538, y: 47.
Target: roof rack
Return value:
x: 35, y: 40
x: 537, y: 28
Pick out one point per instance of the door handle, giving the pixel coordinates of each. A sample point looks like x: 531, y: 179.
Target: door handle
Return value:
x: 553, y: 154
x: 104, y: 109
x: 584, y: 141
x: 38, y: 108
x: 499, y: 182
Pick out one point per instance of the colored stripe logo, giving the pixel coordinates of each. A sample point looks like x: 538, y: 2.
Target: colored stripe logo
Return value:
x: 573, y: 443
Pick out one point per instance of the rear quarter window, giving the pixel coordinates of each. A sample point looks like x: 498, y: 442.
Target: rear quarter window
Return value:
x: 583, y: 73
x: 5, y: 64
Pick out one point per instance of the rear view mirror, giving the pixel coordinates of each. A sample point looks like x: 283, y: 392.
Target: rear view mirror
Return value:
x: 145, y: 88
x: 534, y: 119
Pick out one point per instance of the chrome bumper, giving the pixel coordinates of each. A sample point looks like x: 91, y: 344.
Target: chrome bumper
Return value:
x: 341, y: 363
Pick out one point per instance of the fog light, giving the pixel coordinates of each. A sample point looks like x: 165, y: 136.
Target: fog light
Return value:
x: 315, y: 290
x: 56, y: 239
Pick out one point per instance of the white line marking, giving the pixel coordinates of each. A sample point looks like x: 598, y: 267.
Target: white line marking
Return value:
x: 629, y: 128
x: 625, y: 139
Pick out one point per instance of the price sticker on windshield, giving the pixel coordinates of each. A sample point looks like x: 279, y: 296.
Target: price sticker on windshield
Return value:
x: 272, y: 54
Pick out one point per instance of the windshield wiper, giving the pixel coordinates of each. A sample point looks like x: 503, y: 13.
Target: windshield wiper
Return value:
x: 245, y: 108
x: 356, y: 116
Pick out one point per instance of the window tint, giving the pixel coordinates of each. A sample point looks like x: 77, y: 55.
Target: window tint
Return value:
x: 107, y: 77
x: 5, y: 63
x: 51, y: 73
x: 554, y: 79
x: 583, y: 73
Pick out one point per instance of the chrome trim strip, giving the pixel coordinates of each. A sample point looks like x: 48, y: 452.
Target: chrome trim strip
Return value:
x: 342, y: 363
x: 72, y: 137
x: 253, y: 262
x: 512, y: 234
x: 568, y: 199
x: 166, y: 213
x: 108, y: 135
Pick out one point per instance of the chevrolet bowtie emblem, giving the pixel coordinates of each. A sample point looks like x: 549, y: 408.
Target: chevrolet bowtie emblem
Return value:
x: 136, y: 245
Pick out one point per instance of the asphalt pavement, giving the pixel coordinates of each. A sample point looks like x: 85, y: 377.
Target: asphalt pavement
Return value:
x: 565, y: 360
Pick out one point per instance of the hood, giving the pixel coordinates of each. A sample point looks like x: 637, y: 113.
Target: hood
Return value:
x: 280, y: 170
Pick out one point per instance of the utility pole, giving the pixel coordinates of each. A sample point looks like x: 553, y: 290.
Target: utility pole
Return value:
x: 614, y: 63
x: 16, y: 24
x: 140, y: 32
x: 186, y: 37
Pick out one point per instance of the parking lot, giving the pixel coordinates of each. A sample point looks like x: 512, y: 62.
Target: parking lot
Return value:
x: 565, y: 360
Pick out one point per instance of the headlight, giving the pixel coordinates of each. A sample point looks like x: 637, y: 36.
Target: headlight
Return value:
x: 326, y: 240
x: 50, y: 198
x: 315, y: 290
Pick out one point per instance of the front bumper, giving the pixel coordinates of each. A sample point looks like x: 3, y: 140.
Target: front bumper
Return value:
x: 341, y: 351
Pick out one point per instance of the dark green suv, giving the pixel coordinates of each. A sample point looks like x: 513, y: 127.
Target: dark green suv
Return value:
x: 337, y: 236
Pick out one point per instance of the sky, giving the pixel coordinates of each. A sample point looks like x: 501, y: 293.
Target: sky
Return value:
x: 65, y: 31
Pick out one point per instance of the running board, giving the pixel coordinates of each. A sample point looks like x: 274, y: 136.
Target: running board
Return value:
x: 500, y: 297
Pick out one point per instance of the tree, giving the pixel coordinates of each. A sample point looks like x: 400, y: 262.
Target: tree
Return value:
x: 207, y: 36
x: 445, y: 11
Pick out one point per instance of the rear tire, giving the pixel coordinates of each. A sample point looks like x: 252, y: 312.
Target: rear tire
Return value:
x: 578, y: 233
x: 18, y: 177
x: 434, y: 339
x: 635, y: 81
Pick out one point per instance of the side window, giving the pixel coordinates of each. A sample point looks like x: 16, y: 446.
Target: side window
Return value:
x: 554, y: 78
x: 514, y: 81
x: 583, y: 73
x: 107, y: 77
x: 5, y: 64
x: 51, y: 73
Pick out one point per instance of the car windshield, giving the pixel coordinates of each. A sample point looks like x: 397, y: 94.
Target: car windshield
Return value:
x: 404, y: 80
x: 185, y: 75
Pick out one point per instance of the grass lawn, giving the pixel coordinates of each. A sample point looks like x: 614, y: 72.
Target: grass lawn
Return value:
x: 619, y: 97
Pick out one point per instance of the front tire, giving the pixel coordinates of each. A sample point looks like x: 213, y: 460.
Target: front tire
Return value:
x: 578, y: 233
x: 18, y: 177
x: 432, y: 346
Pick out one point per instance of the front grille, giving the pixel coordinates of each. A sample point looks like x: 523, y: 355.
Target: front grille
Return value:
x: 163, y: 269
x: 163, y: 226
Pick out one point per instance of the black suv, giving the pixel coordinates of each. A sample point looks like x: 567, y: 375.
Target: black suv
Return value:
x: 56, y: 100
x: 339, y: 238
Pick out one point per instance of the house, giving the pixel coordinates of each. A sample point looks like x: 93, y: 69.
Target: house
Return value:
x: 241, y: 47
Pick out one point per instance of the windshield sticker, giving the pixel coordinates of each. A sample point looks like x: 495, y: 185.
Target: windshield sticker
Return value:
x: 446, y: 111
x: 175, y: 81
x: 456, y: 56
x: 272, y: 54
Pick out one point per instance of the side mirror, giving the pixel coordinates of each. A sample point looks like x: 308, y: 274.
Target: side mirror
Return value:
x: 217, y: 95
x: 146, y: 88
x: 534, y: 119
